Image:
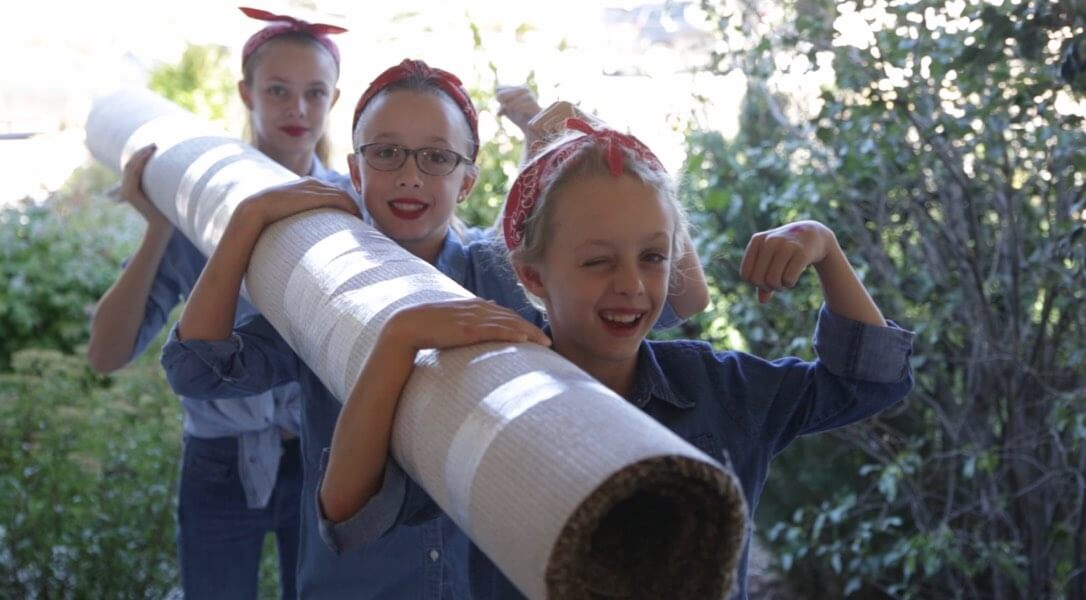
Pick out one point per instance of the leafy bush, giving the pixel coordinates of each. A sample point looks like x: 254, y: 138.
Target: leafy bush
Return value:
x: 200, y: 81
x: 87, y: 466
x: 56, y: 259
x: 935, y: 153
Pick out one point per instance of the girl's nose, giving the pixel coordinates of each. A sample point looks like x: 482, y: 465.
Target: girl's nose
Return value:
x: 297, y: 107
x: 408, y: 174
x: 627, y: 280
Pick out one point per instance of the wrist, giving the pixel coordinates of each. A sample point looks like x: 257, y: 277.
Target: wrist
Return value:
x: 834, y: 259
x: 159, y: 227
x: 398, y: 335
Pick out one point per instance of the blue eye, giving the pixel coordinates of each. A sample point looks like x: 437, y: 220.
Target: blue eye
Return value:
x: 388, y: 151
x: 437, y: 156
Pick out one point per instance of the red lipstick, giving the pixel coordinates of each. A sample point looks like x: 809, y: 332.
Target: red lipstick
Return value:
x: 407, y: 208
x: 294, y: 131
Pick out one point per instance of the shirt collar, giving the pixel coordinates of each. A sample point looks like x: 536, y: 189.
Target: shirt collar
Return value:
x: 452, y: 260
x: 649, y: 381
x: 318, y: 170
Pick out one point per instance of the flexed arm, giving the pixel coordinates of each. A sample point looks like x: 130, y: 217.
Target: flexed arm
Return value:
x: 775, y: 259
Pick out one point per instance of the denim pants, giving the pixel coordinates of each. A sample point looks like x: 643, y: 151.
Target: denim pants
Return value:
x: 219, y: 538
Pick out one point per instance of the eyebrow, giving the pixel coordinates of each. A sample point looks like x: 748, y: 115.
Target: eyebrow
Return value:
x: 658, y: 236
x: 278, y: 79
x: 395, y: 137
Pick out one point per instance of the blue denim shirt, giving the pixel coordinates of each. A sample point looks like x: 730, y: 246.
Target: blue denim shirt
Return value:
x: 427, y: 560
x: 737, y: 408
x: 255, y: 419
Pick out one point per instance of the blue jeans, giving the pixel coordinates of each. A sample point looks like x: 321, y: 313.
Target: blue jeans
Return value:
x: 219, y: 538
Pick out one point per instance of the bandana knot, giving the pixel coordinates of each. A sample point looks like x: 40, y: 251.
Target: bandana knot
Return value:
x: 282, y: 24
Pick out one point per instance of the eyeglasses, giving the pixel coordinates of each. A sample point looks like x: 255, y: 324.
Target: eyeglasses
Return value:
x: 432, y: 161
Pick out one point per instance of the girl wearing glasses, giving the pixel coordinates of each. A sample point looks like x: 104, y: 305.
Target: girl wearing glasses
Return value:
x: 415, y: 131
x: 241, y: 468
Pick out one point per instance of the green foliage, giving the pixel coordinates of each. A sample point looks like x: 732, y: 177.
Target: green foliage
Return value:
x: 499, y: 156
x: 86, y: 480
x: 956, y: 189
x: 56, y: 259
x: 201, y: 82
x: 498, y: 162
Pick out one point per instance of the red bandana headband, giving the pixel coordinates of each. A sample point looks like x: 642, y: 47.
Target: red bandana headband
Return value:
x: 281, y: 24
x: 444, y: 80
x: 525, y: 191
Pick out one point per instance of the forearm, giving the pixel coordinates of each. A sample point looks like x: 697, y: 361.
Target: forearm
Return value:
x: 360, y: 444
x: 843, y: 291
x: 209, y: 312
x: 690, y: 294
x: 120, y: 312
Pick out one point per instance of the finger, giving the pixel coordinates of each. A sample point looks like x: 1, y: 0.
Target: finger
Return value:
x: 764, y: 295
x: 766, y: 254
x: 750, y: 257
x: 536, y: 336
x: 775, y: 269
x: 133, y: 169
x: 793, y: 270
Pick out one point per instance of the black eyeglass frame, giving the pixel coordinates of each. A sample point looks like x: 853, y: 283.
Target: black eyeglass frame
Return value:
x: 408, y: 152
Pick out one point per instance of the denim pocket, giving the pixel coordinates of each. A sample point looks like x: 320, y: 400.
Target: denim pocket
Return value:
x: 213, y: 469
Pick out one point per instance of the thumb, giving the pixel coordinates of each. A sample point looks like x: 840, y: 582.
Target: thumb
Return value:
x: 764, y: 295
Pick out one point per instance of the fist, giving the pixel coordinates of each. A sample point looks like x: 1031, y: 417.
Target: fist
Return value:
x: 775, y: 259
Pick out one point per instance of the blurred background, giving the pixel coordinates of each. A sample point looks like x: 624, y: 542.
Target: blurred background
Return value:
x: 942, y: 141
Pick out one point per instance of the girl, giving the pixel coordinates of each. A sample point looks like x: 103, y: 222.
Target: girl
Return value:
x: 241, y: 466
x: 592, y: 227
x: 416, y: 134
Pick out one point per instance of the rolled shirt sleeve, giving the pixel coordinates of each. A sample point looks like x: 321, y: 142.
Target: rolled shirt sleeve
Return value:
x: 252, y: 360
x: 400, y: 501
x: 860, y: 351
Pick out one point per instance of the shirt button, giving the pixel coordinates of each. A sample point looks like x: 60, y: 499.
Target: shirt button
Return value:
x: 434, y: 555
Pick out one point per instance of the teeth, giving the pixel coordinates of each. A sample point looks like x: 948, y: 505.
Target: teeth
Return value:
x: 621, y: 318
x: 408, y: 206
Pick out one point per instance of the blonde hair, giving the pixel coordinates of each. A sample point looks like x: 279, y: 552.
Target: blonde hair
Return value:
x: 587, y: 162
x: 323, y: 149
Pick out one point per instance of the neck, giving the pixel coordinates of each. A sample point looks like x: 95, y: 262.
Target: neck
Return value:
x: 300, y: 163
x: 617, y: 374
x: 428, y: 250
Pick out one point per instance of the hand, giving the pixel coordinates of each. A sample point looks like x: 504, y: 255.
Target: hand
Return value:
x: 461, y: 322
x: 131, y: 190
x: 279, y: 202
x: 775, y: 259
x: 552, y: 120
x: 517, y: 104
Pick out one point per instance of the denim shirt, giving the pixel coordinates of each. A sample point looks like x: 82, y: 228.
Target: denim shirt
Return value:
x: 738, y: 408
x: 427, y: 560
x: 256, y: 420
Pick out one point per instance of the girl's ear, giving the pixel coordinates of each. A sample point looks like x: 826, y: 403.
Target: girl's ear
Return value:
x: 246, y: 96
x: 335, y: 97
x: 471, y: 174
x: 356, y: 175
x: 531, y: 279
